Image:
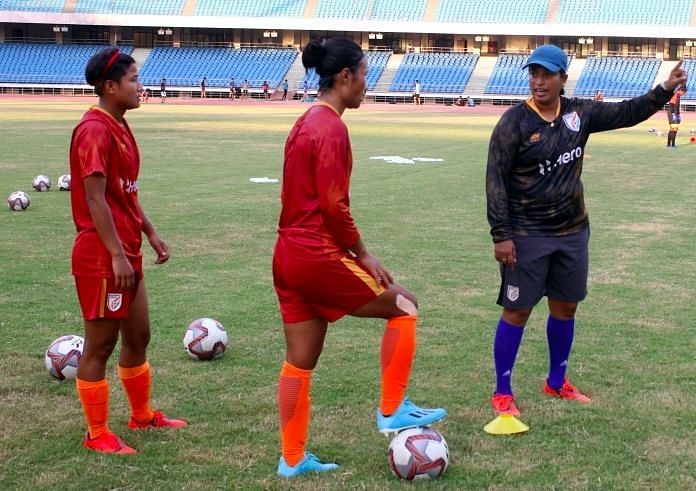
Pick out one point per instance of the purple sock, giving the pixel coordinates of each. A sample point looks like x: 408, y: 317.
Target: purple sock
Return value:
x: 560, y: 337
x: 507, y: 342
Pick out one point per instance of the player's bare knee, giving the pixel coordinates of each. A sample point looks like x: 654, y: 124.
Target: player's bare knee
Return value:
x: 517, y: 317
x: 405, y: 304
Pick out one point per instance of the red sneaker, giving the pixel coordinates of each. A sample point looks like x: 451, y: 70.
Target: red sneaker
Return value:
x: 567, y: 391
x: 108, y: 443
x: 505, y: 404
x: 159, y: 420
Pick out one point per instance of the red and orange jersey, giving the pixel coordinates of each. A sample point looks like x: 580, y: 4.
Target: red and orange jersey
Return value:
x: 316, y: 181
x: 100, y: 145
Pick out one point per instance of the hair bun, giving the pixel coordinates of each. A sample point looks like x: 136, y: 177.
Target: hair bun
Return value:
x: 313, y: 56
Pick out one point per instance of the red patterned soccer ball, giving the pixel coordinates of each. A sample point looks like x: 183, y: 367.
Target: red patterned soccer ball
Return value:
x: 64, y: 182
x: 205, y: 339
x: 41, y: 183
x: 418, y: 453
x: 18, y: 201
x: 63, y: 356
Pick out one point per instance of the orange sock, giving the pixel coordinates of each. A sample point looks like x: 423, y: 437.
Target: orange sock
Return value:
x: 137, y: 382
x: 398, y: 349
x: 293, y: 405
x: 94, y: 397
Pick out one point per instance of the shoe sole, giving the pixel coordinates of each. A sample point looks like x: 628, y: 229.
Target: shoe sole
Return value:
x: 393, y: 431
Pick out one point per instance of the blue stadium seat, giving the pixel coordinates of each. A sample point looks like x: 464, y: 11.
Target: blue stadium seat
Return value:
x: 634, y: 12
x: 251, y: 8
x: 618, y: 76
x: 446, y: 72
x: 133, y: 7
x: 33, y: 6
x: 493, y: 11
x: 376, y: 61
x: 342, y: 9
x: 398, y: 10
x: 47, y: 63
x: 185, y: 67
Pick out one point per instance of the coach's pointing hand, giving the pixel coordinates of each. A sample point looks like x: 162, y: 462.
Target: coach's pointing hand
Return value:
x: 676, y: 78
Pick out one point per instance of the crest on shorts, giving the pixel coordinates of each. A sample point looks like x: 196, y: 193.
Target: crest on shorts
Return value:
x: 114, y: 301
x: 572, y: 121
x: 513, y: 293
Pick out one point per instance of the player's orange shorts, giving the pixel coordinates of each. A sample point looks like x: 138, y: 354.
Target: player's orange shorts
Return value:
x: 99, y: 298
x: 311, y: 285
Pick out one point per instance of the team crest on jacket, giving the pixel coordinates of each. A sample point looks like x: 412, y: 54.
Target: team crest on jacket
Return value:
x: 572, y: 121
x: 513, y: 293
x: 114, y: 301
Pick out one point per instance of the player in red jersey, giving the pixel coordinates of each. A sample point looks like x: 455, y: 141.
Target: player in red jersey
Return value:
x: 106, y: 257
x: 322, y: 270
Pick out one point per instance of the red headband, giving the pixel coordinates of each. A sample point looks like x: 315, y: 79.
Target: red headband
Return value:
x: 107, y: 67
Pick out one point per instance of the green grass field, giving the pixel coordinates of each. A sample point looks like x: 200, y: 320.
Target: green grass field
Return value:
x: 634, y: 348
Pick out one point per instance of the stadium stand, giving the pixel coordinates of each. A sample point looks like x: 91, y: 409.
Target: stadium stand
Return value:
x: 508, y: 76
x: 493, y: 11
x: 640, y: 12
x: 445, y: 72
x: 342, y: 9
x: 251, y: 8
x: 398, y: 10
x: 376, y: 61
x: 185, y: 67
x: 47, y: 63
x: 690, y: 67
x: 33, y: 6
x: 617, y: 76
x: 135, y: 7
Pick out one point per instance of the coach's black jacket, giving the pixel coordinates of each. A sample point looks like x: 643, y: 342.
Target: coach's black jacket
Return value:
x: 533, y: 177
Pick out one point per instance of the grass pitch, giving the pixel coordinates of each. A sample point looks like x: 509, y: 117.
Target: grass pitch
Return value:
x: 635, y: 337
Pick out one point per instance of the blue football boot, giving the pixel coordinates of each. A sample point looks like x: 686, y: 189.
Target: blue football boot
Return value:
x: 310, y: 463
x: 408, y: 415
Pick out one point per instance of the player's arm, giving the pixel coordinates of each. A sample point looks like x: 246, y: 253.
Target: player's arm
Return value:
x: 609, y: 116
x: 95, y: 193
x: 502, y: 152
x: 159, y: 245
x: 332, y: 183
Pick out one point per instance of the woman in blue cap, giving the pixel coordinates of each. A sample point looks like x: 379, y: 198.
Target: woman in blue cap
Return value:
x: 537, y: 213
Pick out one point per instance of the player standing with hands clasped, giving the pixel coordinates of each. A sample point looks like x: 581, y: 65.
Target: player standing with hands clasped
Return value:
x: 106, y: 257
x: 322, y: 270
x: 537, y: 213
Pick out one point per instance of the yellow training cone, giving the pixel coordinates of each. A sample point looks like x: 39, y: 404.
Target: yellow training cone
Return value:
x: 505, y: 424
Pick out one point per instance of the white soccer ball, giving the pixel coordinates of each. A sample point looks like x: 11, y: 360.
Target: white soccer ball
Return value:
x: 18, y: 201
x: 418, y: 453
x: 63, y: 356
x: 64, y: 182
x: 205, y: 339
x: 41, y: 183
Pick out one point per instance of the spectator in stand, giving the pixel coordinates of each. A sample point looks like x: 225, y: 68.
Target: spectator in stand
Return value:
x: 285, y: 90
x: 417, y: 93
x: 203, y: 95
x: 598, y: 96
x: 305, y: 88
x: 232, y: 88
x: 163, y: 90
x: 266, y: 96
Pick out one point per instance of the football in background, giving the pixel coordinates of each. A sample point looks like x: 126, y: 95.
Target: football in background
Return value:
x: 18, y: 201
x: 41, y: 183
x: 64, y: 182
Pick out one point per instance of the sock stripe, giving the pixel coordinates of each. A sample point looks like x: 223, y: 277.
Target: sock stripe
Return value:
x: 288, y: 392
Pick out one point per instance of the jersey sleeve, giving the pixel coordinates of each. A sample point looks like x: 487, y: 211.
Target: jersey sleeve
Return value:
x: 93, y: 147
x: 333, y: 167
x: 612, y: 115
x: 502, y: 152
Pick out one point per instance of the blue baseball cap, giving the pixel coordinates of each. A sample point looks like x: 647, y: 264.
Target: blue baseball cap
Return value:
x: 550, y: 57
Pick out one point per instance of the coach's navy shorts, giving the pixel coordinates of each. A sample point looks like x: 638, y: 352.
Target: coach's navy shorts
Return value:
x: 553, y: 266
